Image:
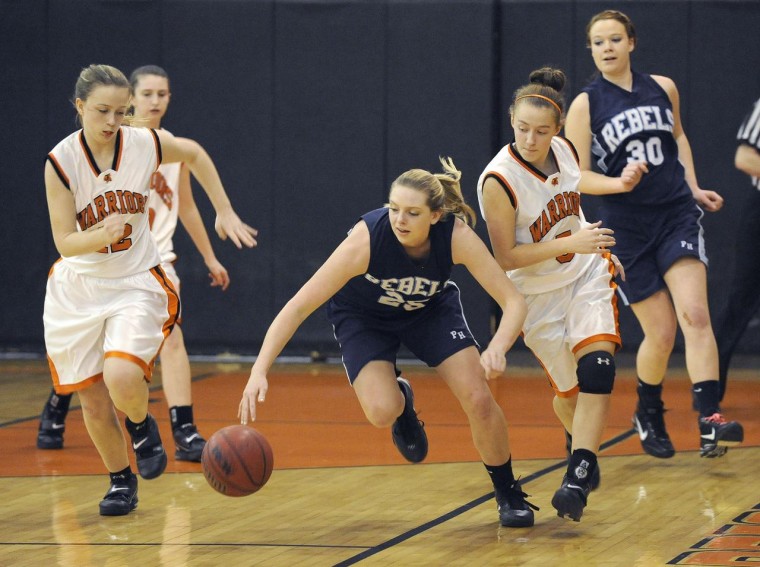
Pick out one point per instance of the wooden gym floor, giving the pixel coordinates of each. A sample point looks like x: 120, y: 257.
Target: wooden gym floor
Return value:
x: 340, y: 494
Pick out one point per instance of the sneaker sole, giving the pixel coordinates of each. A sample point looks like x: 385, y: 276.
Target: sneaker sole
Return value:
x: 568, y: 505
x: 518, y: 522
x: 731, y: 437
x: 152, y: 467
x: 121, y: 511
x: 49, y: 445
x: 190, y: 456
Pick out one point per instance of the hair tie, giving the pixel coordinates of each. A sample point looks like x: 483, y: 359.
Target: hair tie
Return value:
x: 546, y: 98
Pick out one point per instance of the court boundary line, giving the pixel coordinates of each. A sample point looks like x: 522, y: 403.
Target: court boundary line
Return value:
x: 374, y: 550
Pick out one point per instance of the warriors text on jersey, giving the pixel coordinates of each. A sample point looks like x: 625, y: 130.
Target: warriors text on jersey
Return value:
x: 636, y: 126
x: 122, y: 189
x: 164, y: 208
x: 395, y: 286
x: 545, y: 208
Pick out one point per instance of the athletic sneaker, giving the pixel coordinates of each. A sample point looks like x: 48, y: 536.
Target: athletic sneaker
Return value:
x: 146, y: 442
x: 596, y: 476
x: 52, y: 424
x: 121, y: 498
x: 408, y: 432
x: 650, y: 425
x: 189, y: 443
x: 514, y: 510
x: 716, y: 435
x: 570, y: 499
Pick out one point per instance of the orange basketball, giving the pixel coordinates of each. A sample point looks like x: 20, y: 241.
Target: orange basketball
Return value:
x: 237, y: 460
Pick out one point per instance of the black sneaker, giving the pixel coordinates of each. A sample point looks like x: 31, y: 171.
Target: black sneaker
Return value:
x: 650, y: 425
x: 52, y: 423
x: 514, y: 510
x: 189, y: 443
x: 596, y: 476
x: 716, y: 435
x: 121, y: 498
x: 409, y: 432
x: 146, y: 442
x: 570, y: 499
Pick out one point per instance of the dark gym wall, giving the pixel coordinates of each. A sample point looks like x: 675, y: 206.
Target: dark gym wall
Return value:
x: 311, y: 109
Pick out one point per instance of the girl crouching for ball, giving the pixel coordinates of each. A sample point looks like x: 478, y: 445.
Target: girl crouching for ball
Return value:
x: 387, y: 284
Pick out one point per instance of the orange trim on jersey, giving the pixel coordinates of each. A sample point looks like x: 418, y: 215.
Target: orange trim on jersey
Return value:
x: 507, y: 186
x: 50, y: 273
x: 119, y: 150
x: 70, y: 388
x: 569, y: 394
x: 527, y: 166
x: 88, y: 154
x: 59, y: 170
x: 572, y: 148
x: 159, y: 153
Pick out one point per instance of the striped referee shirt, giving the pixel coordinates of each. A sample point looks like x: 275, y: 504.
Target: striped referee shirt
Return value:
x: 749, y: 133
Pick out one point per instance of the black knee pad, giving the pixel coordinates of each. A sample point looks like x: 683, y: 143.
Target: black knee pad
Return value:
x: 596, y: 373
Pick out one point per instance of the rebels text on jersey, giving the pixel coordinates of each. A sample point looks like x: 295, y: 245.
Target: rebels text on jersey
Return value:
x: 636, y: 126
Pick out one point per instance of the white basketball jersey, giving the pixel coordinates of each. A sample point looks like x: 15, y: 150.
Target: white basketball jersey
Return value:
x: 164, y: 208
x: 123, y: 188
x: 546, y: 208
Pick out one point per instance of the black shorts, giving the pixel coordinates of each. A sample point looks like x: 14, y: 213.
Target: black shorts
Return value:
x: 433, y: 335
x: 649, y: 241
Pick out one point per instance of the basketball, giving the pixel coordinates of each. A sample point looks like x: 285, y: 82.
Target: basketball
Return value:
x: 237, y: 460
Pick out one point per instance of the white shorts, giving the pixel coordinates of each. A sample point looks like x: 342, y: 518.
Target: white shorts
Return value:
x: 561, y: 322
x: 88, y: 319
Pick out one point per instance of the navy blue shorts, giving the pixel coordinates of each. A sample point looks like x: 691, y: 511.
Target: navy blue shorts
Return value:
x: 649, y: 241
x: 432, y: 335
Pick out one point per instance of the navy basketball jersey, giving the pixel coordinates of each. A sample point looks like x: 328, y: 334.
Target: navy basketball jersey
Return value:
x: 396, y: 286
x: 636, y: 126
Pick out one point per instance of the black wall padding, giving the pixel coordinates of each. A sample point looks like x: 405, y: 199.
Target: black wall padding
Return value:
x: 311, y: 109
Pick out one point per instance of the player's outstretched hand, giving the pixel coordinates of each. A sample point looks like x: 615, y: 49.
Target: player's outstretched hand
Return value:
x: 228, y: 224
x: 709, y: 200
x: 255, y: 391
x: 218, y: 274
x: 493, y: 362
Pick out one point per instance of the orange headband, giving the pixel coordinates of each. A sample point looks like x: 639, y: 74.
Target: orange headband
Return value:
x: 546, y: 98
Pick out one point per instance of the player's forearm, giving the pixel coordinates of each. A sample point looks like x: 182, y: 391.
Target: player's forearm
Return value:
x: 747, y: 159
x: 204, y: 170
x: 193, y: 223
x: 593, y: 183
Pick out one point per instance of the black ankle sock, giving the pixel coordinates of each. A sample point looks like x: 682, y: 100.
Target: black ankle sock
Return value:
x: 122, y: 475
x: 581, y: 465
x: 501, y: 475
x: 707, y: 395
x: 650, y: 397
x: 60, y: 402
x: 181, y: 415
x: 138, y: 426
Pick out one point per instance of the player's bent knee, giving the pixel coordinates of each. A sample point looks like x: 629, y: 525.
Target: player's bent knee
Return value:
x: 596, y: 373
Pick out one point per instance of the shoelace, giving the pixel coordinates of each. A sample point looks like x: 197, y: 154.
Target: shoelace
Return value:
x: 515, y: 496
x: 715, y: 418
